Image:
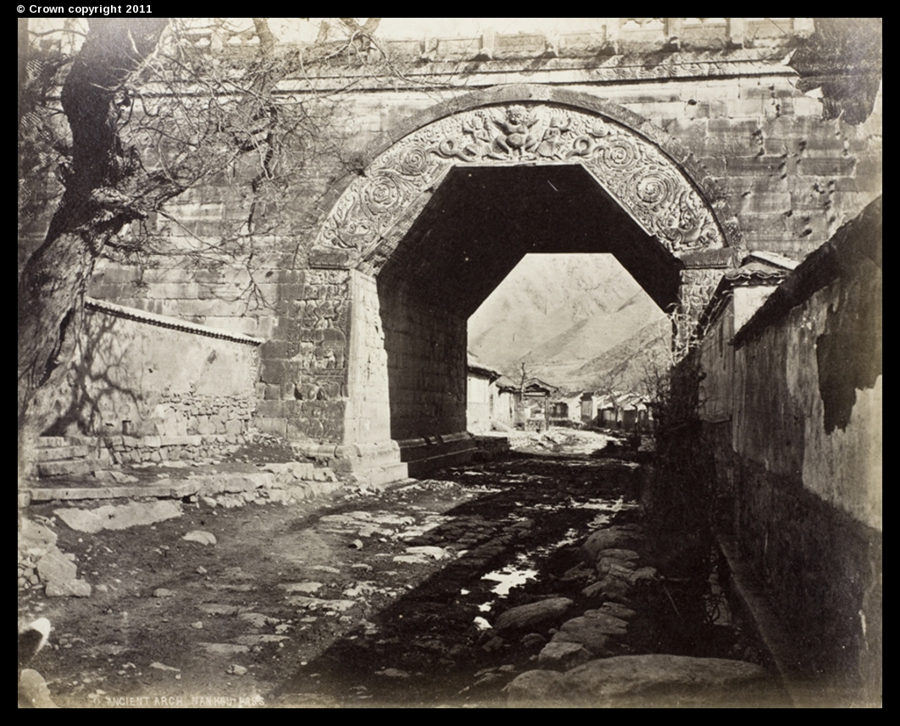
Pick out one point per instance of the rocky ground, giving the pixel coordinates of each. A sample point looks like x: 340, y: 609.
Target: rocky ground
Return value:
x: 526, y: 581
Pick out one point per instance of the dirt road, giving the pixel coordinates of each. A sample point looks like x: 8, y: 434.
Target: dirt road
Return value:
x: 363, y: 599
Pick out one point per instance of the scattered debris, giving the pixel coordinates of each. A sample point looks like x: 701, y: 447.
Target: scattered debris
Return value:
x: 201, y: 536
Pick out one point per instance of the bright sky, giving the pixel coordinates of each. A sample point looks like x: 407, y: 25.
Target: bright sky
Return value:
x: 440, y: 27
x: 299, y: 30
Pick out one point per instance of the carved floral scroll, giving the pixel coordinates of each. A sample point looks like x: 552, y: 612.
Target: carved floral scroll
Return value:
x: 647, y: 183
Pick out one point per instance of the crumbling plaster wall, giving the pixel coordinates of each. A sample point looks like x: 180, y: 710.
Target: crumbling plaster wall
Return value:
x: 799, y: 465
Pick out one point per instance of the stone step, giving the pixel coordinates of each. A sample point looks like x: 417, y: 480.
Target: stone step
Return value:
x: 76, y: 467
x: 51, y: 442
x: 62, y: 453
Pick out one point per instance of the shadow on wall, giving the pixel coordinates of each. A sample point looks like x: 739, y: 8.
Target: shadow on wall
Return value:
x: 138, y: 375
x: 75, y: 404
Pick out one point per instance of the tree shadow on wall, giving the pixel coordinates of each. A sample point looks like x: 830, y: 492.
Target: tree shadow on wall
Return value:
x: 92, y: 386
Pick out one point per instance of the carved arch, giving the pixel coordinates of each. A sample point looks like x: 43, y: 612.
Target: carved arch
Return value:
x: 647, y: 172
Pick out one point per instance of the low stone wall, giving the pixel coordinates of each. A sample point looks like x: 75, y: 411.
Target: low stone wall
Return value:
x: 147, y: 377
x: 132, y: 450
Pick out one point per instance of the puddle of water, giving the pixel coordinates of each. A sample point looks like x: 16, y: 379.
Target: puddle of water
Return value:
x: 570, y: 537
x: 481, y: 489
x: 522, y: 569
x: 508, y: 578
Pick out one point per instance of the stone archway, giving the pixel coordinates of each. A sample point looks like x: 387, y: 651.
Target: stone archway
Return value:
x: 374, y: 232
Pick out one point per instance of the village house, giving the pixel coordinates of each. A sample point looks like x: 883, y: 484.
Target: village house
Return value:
x: 565, y: 409
x: 623, y: 410
x: 738, y: 295
x: 534, y: 411
x: 481, y: 394
x: 505, y: 396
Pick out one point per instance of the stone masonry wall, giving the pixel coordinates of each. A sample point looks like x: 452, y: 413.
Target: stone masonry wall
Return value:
x: 426, y: 358
x: 144, y: 382
x: 791, y: 177
x: 303, y: 379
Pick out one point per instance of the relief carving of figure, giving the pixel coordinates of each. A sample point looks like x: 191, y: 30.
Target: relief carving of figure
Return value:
x: 479, y: 144
x: 516, y: 138
x: 551, y: 146
x: 477, y: 128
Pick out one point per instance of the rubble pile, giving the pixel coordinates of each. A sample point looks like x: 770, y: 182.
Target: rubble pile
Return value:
x: 42, y: 563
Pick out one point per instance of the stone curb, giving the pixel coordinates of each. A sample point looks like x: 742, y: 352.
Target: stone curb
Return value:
x: 204, y: 485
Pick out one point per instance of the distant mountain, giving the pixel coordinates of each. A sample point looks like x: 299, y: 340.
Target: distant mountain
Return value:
x: 625, y: 366
x: 559, y: 314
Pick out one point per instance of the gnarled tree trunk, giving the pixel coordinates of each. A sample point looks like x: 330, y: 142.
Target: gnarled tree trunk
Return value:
x: 95, y: 204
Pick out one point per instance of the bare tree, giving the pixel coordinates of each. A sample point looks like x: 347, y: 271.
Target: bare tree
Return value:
x: 137, y: 116
x: 105, y: 188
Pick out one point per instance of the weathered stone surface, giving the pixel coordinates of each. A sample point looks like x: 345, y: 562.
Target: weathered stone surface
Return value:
x: 201, y: 536
x: 619, y: 554
x: 75, y: 467
x: 212, y: 608
x: 563, y: 655
x: 32, y: 534
x: 55, y: 568
x: 290, y: 470
x: 615, y: 588
x: 494, y: 644
x: 611, y: 624
x: 537, y: 688
x: 645, y: 680
x: 118, y: 516
x: 609, y: 566
x: 258, y: 620
x: 525, y: 616
x: 68, y: 588
x: 315, y: 603
x: 257, y: 639
x: 532, y: 640
x: 661, y: 680
x: 33, y: 690
x: 119, y: 477
x: 301, y: 586
x: 615, y: 609
x: 579, y: 572
x: 592, y: 633
x: 644, y: 574
x: 224, y: 648
x: 604, y: 539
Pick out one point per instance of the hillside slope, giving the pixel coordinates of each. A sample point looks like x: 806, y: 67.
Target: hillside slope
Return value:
x: 559, y: 314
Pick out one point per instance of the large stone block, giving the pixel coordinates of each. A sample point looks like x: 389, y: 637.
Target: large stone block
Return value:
x: 765, y: 165
x: 527, y: 616
x: 55, y: 567
x: 274, y: 371
x: 825, y: 166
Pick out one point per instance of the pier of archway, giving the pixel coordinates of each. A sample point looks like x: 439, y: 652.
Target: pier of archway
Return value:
x: 415, y: 244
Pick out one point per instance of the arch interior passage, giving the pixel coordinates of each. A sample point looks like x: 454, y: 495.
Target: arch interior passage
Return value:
x: 477, y: 226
